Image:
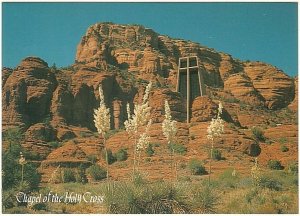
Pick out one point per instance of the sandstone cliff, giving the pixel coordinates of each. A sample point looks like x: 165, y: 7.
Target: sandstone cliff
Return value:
x: 56, y: 105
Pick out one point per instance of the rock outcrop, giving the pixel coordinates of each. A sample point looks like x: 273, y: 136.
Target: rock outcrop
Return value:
x: 52, y: 104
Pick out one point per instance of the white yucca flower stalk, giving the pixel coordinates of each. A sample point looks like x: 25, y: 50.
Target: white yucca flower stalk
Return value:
x: 169, y: 130
x: 214, y: 130
x: 102, y: 116
x: 255, y: 173
x: 22, y: 162
x: 144, y: 139
x: 102, y: 122
x: 143, y: 142
x: 140, y: 117
x: 168, y: 125
x: 216, y: 127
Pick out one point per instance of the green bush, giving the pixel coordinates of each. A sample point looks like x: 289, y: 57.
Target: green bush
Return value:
x: 31, y: 175
x: 150, y: 150
x: 258, y: 134
x: 178, y: 148
x: 216, y: 154
x: 121, y: 155
x: 80, y: 175
x: 293, y: 168
x: 204, y: 199
x: 270, y: 183
x: 110, y: 157
x: 282, y: 140
x: 229, y: 178
x: 55, y: 144
x: 275, y: 165
x: 68, y: 175
x: 92, y: 158
x: 32, y: 155
x: 96, y: 172
x: 284, y: 148
x: 196, y: 167
x: 13, y: 135
x: 85, y: 134
x: 155, y: 198
x: 12, y: 173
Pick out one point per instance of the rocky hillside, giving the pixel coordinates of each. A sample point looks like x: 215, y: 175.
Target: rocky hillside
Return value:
x: 54, y: 104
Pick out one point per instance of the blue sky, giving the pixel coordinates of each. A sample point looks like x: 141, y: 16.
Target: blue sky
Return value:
x: 248, y: 31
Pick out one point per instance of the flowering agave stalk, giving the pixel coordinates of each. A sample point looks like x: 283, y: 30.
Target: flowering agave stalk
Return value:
x: 22, y: 162
x: 215, y: 130
x: 169, y: 130
x: 102, y: 123
x: 140, y: 117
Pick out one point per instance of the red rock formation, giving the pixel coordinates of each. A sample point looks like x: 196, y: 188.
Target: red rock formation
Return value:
x: 242, y: 88
x: 294, y: 105
x: 27, y: 93
x: 58, y: 104
x: 203, y: 109
x: 276, y: 87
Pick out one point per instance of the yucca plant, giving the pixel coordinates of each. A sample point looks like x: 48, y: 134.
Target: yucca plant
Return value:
x: 215, y: 130
x: 169, y: 130
x: 133, y: 124
x: 22, y: 162
x: 102, y: 123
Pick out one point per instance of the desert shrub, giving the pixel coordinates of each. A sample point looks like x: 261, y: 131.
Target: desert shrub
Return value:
x: 270, y: 183
x: 192, y: 136
x: 12, y: 135
x: 80, y: 175
x: 184, y: 179
x: 121, y: 155
x: 32, y: 155
x: 9, y: 197
x: 147, y: 160
x: 92, y: 158
x: 39, y: 206
x: 216, y: 154
x: 178, y: 148
x: 12, y: 172
x: 55, y: 144
x: 150, y: 150
x: 284, y: 148
x: 293, y: 168
x: 32, y: 175
x: 85, y: 134
x: 96, y: 172
x: 18, y: 210
x: 258, y: 134
x: 182, y: 165
x: 110, y: 157
x: 231, y: 100
x: 196, y: 167
x: 155, y: 198
x: 251, y: 194
x: 139, y: 179
x: 68, y: 175
x: 204, y: 199
x: 268, y: 141
x: 275, y: 165
x: 282, y: 140
x: 229, y: 178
